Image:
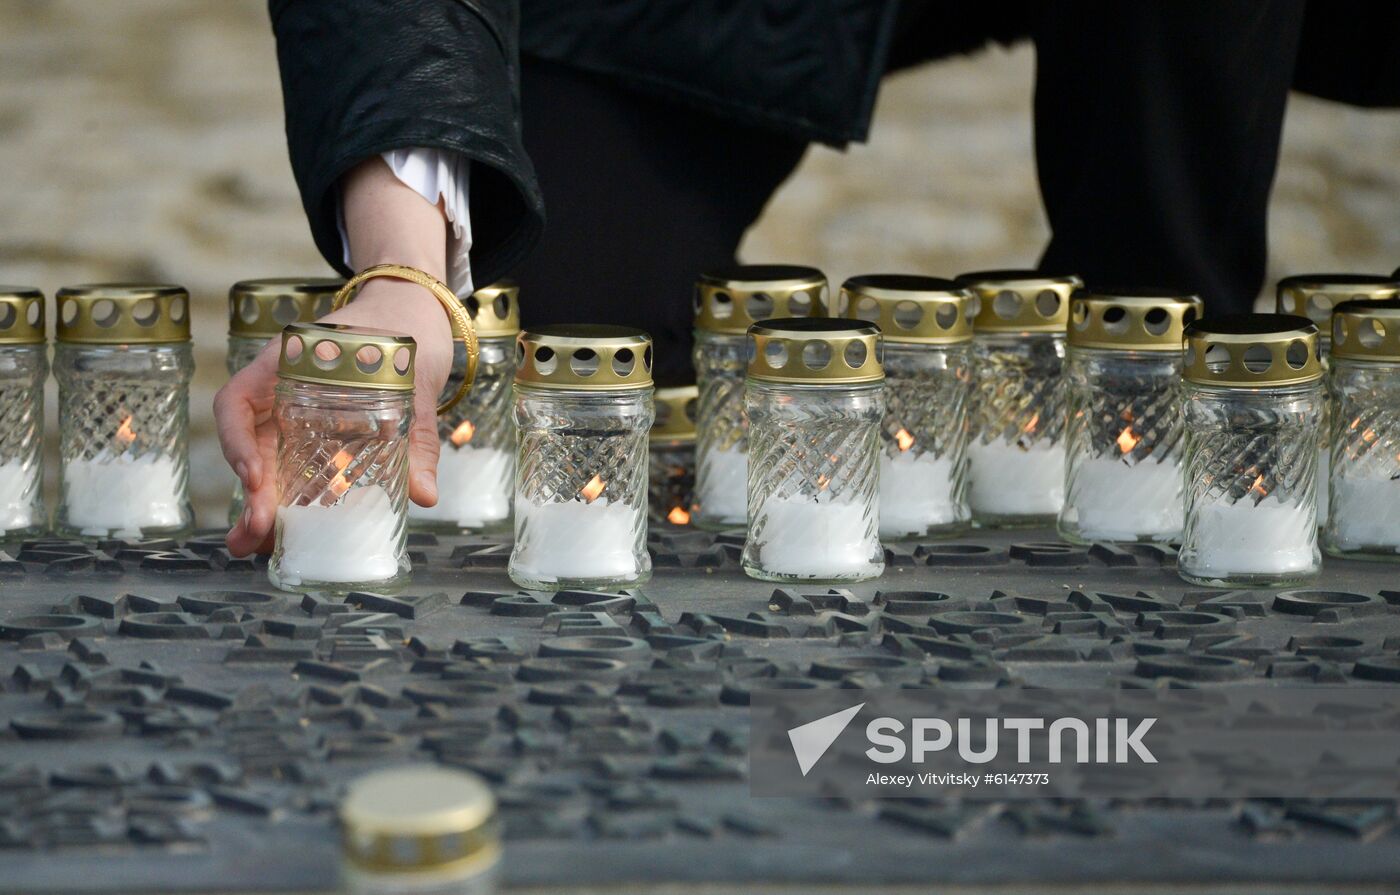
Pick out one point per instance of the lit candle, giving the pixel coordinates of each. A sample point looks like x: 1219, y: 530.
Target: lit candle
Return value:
x: 725, y: 473
x: 120, y: 494
x: 916, y: 493
x: 818, y: 537
x: 1245, y: 538
x: 1113, y: 500
x: 474, y: 483
x: 590, y: 537
x: 17, y: 484
x: 1368, y: 513
x: 356, y: 539
x: 1016, y: 480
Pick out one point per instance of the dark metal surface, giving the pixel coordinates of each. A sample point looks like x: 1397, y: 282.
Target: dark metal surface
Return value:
x: 170, y: 723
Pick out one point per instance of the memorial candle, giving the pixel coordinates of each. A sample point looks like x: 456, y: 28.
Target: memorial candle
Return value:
x: 23, y: 367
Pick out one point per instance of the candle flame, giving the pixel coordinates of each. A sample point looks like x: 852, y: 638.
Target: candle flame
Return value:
x: 1258, y: 488
x: 904, y: 440
x: 822, y: 481
x: 1127, y: 440
x: 125, y: 435
x: 1031, y: 423
x: 339, y: 484
x: 1369, y: 435
x: 462, y: 434
x: 594, y: 487
x: 678, y: 516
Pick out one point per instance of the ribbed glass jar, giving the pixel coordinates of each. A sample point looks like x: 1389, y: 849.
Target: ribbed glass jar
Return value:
x: 815, y: 401
x: 342, y: 459
x: 671, y: 453
x: 1123, y: 480
x: 1364, y: 382
x: 583, y: 408
x: 1253, y: 400
x: 24, y: 365
x: 123, y: 364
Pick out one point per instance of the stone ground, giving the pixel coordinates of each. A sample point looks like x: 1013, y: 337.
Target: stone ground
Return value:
x: 142, y: 139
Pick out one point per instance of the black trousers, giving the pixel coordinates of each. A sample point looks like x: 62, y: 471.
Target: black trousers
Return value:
x: 1157, y: 126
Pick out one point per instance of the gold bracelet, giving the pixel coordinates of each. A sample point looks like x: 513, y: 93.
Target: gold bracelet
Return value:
x: 462, y: 327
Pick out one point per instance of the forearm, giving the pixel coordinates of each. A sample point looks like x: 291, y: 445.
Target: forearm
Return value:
x: 386, y: 222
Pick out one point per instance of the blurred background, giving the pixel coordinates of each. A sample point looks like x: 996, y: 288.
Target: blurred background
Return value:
x: 142, y: 140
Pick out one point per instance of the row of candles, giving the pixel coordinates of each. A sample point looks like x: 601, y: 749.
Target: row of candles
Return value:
x: 921, y: 407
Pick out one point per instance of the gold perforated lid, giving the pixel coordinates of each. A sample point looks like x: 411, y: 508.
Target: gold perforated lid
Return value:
x: 419, y: 818
x: 495, y: 310
x: 591, y: 357
x: 675, y: 414
x: 355, y: 356
x: 732, y: 299
x: 1135, y: 319
x: 815, y: 350
x: 912, y: 309
x: 1252, y: 351
x: 1314, y: 295
x: 21, y: 315
x: 123, y: 314
x: 1021, y: 300
x: 1367, y: 330
x: 259, y: 309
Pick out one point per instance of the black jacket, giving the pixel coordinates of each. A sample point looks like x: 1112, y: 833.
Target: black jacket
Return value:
x: 360, y: 77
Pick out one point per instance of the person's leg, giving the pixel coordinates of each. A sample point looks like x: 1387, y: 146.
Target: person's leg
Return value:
x: 640, y: 196
x: 1157, y: 135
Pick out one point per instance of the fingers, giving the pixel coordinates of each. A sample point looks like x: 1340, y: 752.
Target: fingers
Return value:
x: 423, y: 449
x: 238, y: 408
x: 253, y: 532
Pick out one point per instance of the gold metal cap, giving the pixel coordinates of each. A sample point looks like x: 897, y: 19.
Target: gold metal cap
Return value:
x: 123, y: 314
x: 826, y: 350
x: 913, y: 309
x: 1314, y: 295
x: 21, y: 315
x: 1367, y: 330
x: 1252, y: 351
x: 259, y: 309
x: 495, y: 309
x: 356, y: 356
x: 591, y: 357
x: 1021, y: 300
x: 419, y: 817
x: 1135, y: 319
x: 675, y: 414
x: 732, y: 299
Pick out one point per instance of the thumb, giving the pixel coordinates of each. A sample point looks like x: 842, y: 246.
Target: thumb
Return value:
x: 423, y: 449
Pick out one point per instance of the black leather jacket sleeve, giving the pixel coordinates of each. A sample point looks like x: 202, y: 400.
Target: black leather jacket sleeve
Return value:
x: 360, y: 77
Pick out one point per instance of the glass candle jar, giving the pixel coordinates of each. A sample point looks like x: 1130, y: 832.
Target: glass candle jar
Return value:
x: 476, y: 462
x: 672, y: 453
x: 815, y: 399
x: 1364, y: 381
x: 727, y: 303
x: 419, y: 830
x: 1253, y: 404
x: 583, y: 408
x: 1016, y: 442
x: 926, y: 327
x: 1314, y: 296
x: 257, y: 311
x: 24, y: 364
x: 1124, y: 441
x: 123, y: 364
x: 343, y: 412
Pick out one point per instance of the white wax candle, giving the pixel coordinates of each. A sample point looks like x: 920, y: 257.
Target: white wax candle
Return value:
x: 722, y: 486
x: 1009, y: 480
x: 818, y: 538
x: 1368, y: 512
x: 352, y: 541
x: 17, y: 484
x: 1112, y: 501
x: 474, y: 487
x: 1324, y: 472
x: 121, y: 494
x: 916, y: 493
x: 574, y: 540
x: 1247, y: 539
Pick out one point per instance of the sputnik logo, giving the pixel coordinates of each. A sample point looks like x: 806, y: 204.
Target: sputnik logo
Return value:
x: 811, y: 740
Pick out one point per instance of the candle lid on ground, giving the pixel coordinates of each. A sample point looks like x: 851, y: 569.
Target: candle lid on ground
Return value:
x: 1252, y: 351
x: 123, y: 314
x: 1367, y: 330
x: 588, y: 357
x: 731, y: 299
x: 912, y: 309
x: 1314, y: 295
x: 1138, y: 319
x: 356, y: 356
x: 21, y: 315
x: 675, y: 414
x: 418, y: 817
x: 1021, y: 300
x: 815, y: 350
x: 259, y: 309
x: 495, y: 309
